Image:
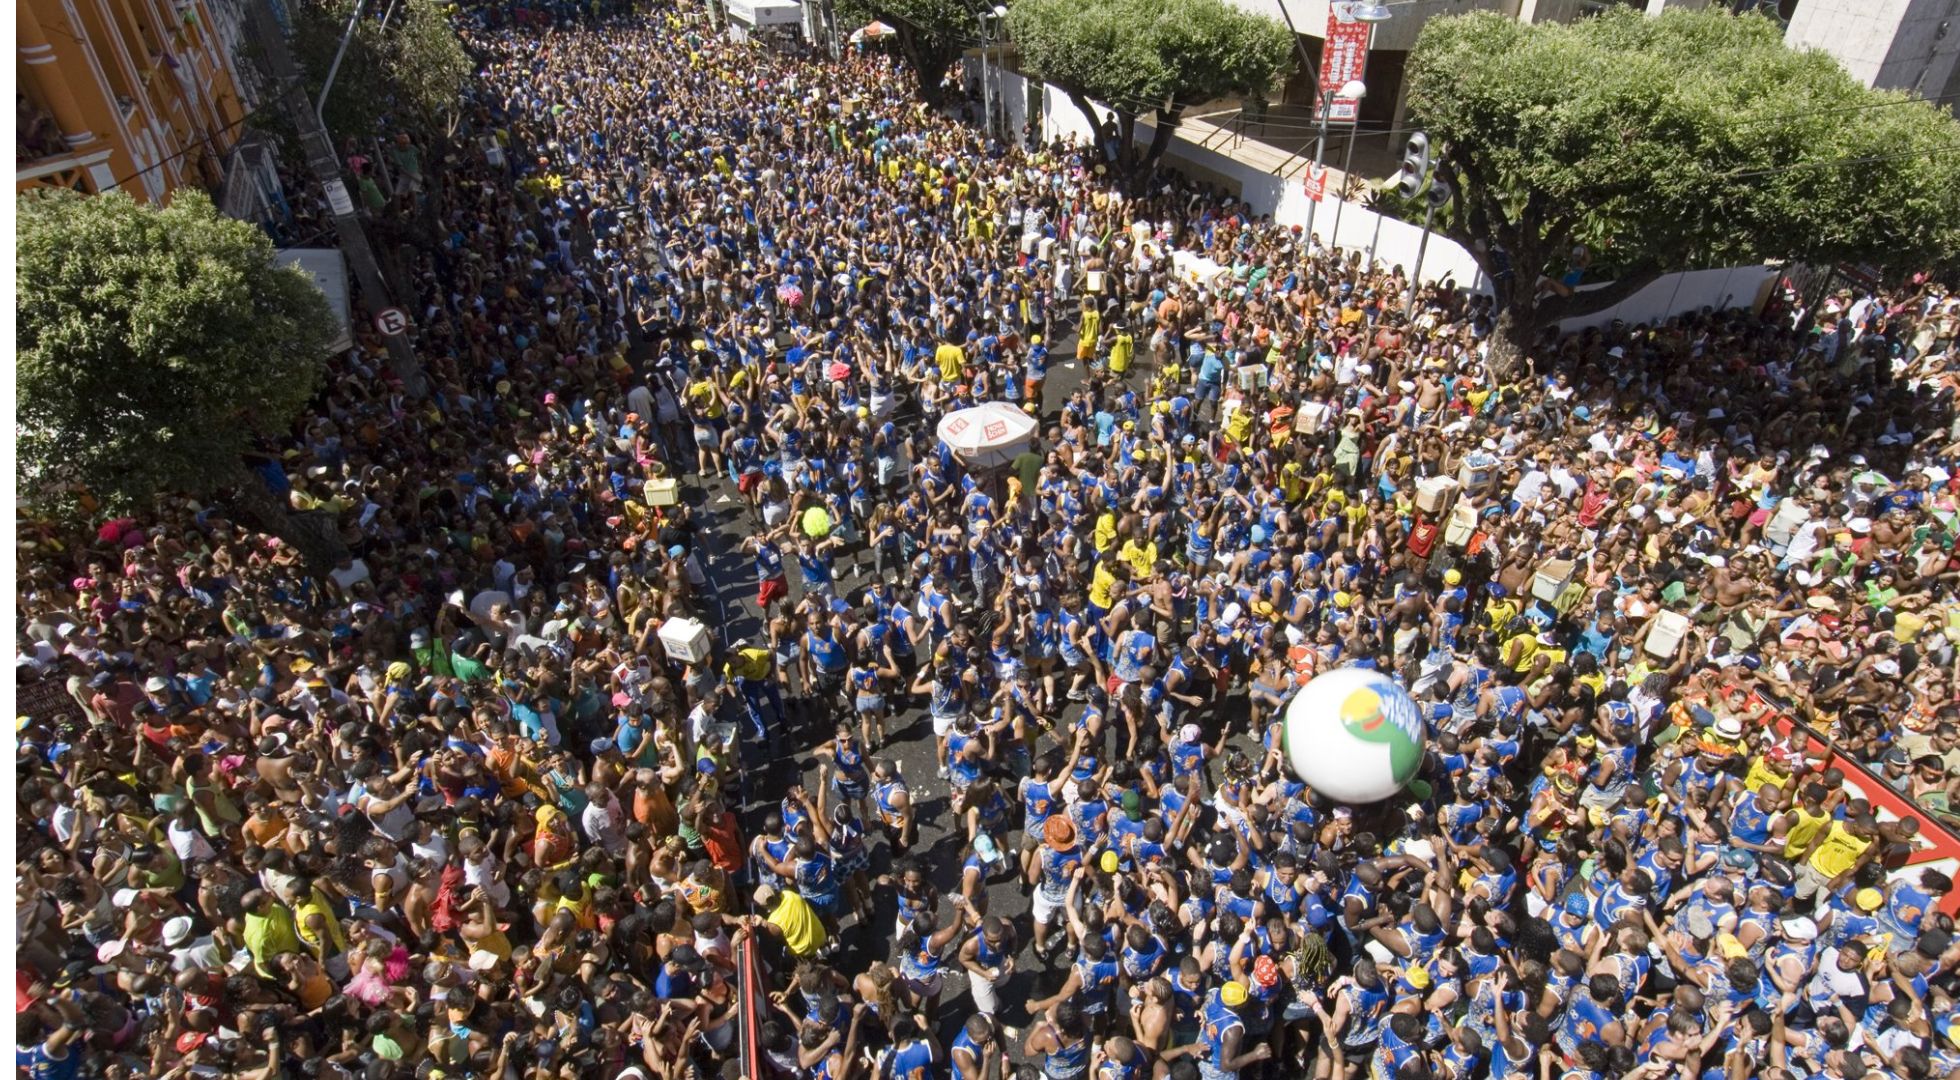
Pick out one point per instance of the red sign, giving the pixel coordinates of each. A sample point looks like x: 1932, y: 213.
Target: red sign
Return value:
x: 1343, y: 59
x: 1936, y: 849
x: 1315, y: 182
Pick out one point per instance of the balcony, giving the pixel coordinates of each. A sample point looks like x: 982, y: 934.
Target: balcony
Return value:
x: 36, y: 135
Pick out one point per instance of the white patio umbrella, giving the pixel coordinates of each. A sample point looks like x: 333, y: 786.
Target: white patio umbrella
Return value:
x: 986, y: 435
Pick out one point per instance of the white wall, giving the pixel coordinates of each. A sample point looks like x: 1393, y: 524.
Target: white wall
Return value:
x: 1890, y: 44
x: 1395, y: 242
x: 1735, y: 286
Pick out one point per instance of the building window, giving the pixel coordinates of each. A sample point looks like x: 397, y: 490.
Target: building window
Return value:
x: 36, y: 135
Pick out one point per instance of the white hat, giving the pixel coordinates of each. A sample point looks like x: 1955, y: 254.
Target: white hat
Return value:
x: 1728, y: 727
x: 123, y: 898
x: 1887, y: 666
x: 482, y: 960
x: 1799, y: 928
x: 1617, y: 353
x: 157, y: 684
x: 110, y: 949
x: 177, y: 931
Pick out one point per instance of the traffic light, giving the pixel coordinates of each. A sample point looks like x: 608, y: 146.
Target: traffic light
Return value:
x: 1415, y: 165
x: 1439, y: 194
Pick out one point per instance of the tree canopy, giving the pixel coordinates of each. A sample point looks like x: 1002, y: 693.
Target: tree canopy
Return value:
x: 1694, y: 139
x: 1147, y: 57
x: 154, y: 345
x: 931, y: 33
x: 413, y: 70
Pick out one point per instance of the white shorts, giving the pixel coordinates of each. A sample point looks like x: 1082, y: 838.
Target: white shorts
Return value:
x: 984, y: 998
x: 941, y: 725
x: 1046, y: 910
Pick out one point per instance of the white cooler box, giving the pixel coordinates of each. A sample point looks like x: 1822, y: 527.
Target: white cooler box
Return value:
x: 685, y: 640
x: 1669, y: 628
x: 1551, y: 579
x: 1434, y: 493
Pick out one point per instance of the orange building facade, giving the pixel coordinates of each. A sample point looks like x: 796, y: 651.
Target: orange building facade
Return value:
x: 142, y: 95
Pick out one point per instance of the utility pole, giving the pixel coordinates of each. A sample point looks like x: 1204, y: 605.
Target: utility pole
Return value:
x: 325, y: 165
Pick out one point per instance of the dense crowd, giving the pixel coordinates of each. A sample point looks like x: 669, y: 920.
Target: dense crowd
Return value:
x: 454, y: 807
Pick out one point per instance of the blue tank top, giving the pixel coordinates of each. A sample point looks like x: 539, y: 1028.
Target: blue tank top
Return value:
x: 885, y: 794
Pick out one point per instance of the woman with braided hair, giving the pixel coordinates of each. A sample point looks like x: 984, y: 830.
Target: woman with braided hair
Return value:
x: 1309, y: 967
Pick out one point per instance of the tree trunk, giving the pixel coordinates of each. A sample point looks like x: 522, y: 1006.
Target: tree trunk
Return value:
x: 1511, y: 337
x: 928, y: 61
x: 312, y: 534
x: 1161, y: 135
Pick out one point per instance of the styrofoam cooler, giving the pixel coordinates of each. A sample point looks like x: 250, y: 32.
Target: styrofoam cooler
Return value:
x: 1550, y: 580
x: 1782, y: 526
x: 1434, y: 493
x: 1477, y: 471
x: 1669, y: 628
x: 1312, y: 418
x: 685, y: 640
x: 1462, y: 524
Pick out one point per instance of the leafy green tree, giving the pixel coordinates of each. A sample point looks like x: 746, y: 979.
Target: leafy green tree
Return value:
x: 1695, y: 139
x: 1147, y: 58
x: 154, y: 345
x: 931, y: 34
x: 411, y: 72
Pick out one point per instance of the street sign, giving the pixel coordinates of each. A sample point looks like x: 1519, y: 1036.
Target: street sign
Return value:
x: 1343, y: 59
x: 1315, y: 182
x: 392, y: 322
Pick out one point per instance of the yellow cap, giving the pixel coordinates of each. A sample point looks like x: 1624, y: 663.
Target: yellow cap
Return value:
x: 397, y: 671
x: 1343, y: 600
x: 1868, y: 899
x: 1232, y: 994
x: 1731, y: 946
x: 1110, y: 862
x: 1452, y: 577
x: 1417, y: 977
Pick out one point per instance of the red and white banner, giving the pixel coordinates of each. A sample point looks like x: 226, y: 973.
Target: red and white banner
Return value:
x: 1937, y: 848
x: 1315, y: 182
x: 1343, y: 59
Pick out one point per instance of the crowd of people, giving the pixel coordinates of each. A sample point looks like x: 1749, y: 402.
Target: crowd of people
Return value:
x: 456, y: 806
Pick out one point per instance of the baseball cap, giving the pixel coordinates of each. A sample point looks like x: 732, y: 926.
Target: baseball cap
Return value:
x: 1233, y: 994
x: 1868, y: 899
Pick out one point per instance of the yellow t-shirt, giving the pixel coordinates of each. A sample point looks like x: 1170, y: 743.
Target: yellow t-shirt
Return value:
x: 315, y: 904
x: 952, y: 362
x: 1802, y: 830
x: 803, y: 932
x: 1761, y: 773
x: 1104, y: 533
x: 1838, y: 852
x: 701, y: 394
x: 1239, y: 426
x: 1141, y: 557
x: 1527, y: 647
x: 1101, y: 585
x: 1120, y: 352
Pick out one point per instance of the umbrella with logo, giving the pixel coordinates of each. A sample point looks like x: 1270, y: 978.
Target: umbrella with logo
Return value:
x: 987, y: 435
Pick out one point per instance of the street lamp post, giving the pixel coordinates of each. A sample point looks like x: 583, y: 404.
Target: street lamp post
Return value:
x: 324, y: 163
x: 1353, y: 89
x: 1340, y: 198
x: 1347, y: 11
x: 990, y: 19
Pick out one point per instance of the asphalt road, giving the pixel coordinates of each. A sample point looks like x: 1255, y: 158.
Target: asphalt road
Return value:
x: 910, y: 743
